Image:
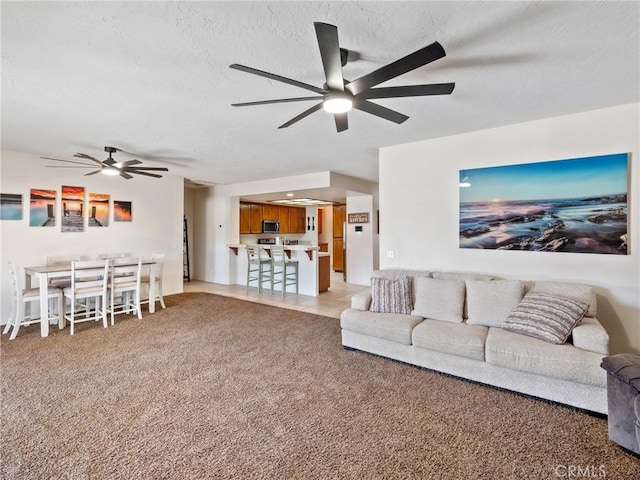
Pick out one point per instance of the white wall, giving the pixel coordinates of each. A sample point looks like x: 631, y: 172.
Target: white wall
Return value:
x: 419, y: 207
x: 360, y: 248
x: 157, y: 210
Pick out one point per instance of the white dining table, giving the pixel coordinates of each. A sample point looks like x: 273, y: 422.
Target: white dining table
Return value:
x: 44, y: 273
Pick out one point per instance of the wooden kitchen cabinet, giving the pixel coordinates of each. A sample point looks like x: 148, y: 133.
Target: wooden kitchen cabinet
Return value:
x: 339, y: 217
x: 324, y: 247
x: 245, y: 218
x: 338, y: 254
x: 256, y: 218
x: 270, y: 212
x: 297, y: 220
x: 283, y: 218
x: 324, y: 273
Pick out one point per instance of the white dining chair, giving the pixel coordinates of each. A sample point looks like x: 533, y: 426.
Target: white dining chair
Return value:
x: 124, y: 287
x: 89, y: 280
x: 61, y: 282
x: 20, y: 296
x: 155, y: 270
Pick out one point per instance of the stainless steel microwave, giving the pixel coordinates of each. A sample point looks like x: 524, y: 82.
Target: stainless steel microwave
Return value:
x: 270, y: 226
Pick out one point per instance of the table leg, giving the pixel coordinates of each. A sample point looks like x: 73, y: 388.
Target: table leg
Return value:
x: 152, y: 290
x: 44, y: 305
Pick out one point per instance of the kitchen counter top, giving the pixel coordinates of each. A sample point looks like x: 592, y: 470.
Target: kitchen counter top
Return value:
x: 309, y: 249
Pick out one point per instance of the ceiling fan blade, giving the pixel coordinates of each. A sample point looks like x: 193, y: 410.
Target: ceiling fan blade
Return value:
x: 127, y: 163
x: 124, y: 174
x: 70, y: 166
x: 306, y: 113
x: 342, y: 122
x: 379, y: 111
x: 88, y: 157
x: 330, y: 53
x: 408, y: 91
x: 93, y: 173
x: 141, y: 173
x: 156, y: 169
x: 279, y: 78
x: 68, y: 161
x: 280, y: 100
x: 421, y: 57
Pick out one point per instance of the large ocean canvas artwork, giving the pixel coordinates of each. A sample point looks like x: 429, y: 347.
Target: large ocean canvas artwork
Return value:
x: 577, y: 205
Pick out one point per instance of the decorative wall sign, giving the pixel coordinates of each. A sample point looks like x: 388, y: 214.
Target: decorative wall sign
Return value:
x: 358, y: 217
x: 98, y: 210
x: 577, y: 205
x: 10, y: 206
x: 121, y: 211
x: 43, y: 208
x: 72, y: 209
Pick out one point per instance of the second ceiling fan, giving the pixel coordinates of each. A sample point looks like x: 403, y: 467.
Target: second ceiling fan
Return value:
x: 339, y: 95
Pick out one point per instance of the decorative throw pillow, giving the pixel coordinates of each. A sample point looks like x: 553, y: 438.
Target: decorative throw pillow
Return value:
x: 547, y: 317
x: 489, y: 303
x: 391, y: 296
x: 439, y: 299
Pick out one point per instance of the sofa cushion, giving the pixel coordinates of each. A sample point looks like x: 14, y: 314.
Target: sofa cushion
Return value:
x: 389, y: 326
x: 576, y: 291
x: 527, y: 354
x: 439, y: 299
x: 489, y: 303
x: 548, y: 317
x: 454, y: 338
x: 590, y: 335
x: 391, y: 296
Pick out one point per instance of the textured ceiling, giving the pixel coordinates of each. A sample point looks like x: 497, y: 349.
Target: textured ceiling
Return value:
x: 153, y: 78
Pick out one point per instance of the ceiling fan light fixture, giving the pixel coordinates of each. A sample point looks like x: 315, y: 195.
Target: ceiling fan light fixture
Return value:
x: 337, y: 103
x: 109, y: 170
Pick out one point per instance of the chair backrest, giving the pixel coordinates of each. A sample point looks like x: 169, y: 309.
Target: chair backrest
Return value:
x: 89, y: 274
x: 158, y: 259
x: 277, y: 254
x: 256, y: 254
x: 56, y: 259
x: 125, y: 270
x: 15, y: 281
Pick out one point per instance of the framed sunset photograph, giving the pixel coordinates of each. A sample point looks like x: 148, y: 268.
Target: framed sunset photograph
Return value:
x: 577, y: 205
x: 42, y: 204
x: 121, y: 211
x: 72, y: 209
x: 10, y: 206
x: 98, y: 210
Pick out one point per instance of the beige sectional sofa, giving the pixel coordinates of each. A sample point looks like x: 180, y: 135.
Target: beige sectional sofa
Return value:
x: 456, y: 325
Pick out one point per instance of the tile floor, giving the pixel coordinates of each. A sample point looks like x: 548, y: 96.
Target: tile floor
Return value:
x: 330, y: 303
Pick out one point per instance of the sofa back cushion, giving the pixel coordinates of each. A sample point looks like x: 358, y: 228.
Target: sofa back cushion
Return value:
x: 391, y: 296
x: 489, y: 303
x: 439, y: 299
x: 575, y: 291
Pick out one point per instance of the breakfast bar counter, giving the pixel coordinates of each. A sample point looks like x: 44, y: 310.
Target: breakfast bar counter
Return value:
x: 304, y: 254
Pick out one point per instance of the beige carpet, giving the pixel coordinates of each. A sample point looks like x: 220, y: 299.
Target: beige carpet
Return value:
x: 214, y: 387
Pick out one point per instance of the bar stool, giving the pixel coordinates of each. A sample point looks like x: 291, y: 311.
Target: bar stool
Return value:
x: 258, y: 266
x: 282, y: 270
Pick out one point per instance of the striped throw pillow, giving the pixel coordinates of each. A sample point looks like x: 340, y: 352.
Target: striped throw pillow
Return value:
x: 391, y: 296
x: 547, y: 317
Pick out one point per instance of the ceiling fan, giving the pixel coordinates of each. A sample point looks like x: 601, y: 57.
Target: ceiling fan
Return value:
x: 110, y: 166
x: 339, y: 95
